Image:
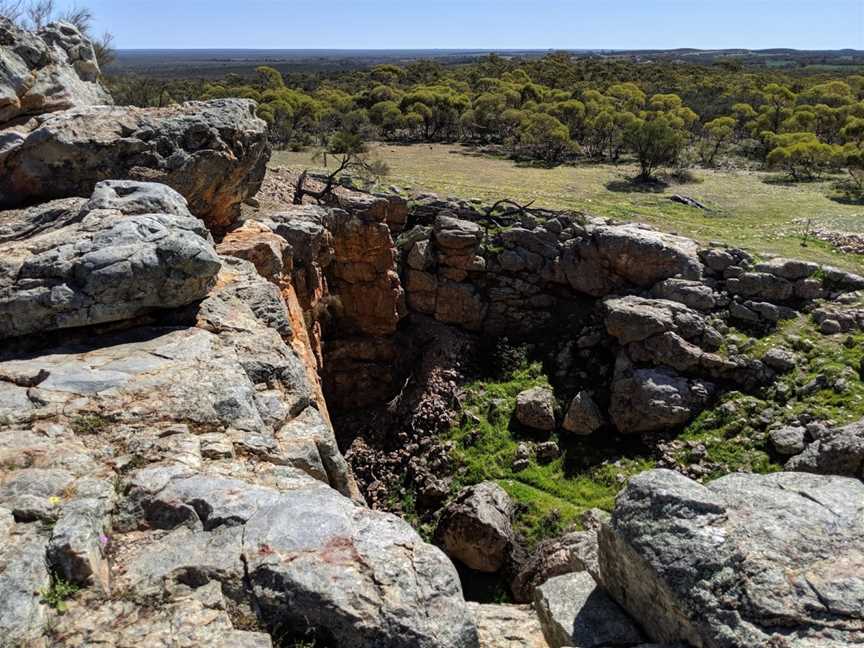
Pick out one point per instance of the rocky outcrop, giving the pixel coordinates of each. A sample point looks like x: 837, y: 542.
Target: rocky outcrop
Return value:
x: 476, y: 527
x: 747, y: 560
x: 614, y: 257
x: 46, y: 71
x: 177, y: 419
x: 343, y: 273
x: 213, y: 153
x: 130, y: 249
x: 822, y: 450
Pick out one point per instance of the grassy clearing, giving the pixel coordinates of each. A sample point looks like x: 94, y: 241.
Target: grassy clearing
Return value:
x: 749, y: 209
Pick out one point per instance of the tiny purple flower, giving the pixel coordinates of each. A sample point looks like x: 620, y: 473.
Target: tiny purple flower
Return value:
x: 103, y: 539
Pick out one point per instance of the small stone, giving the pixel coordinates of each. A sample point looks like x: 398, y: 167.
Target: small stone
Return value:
x: 830, y: 327
x: 779, y: 359
x: 583, y: 416
x: 788, y: 441
x: 547, y: 452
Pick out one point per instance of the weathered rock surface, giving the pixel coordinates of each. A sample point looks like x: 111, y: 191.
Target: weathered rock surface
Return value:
x: 46, y: 71
x: 747, y: 560
x: 192, y: 616
x: 583, y: 416
x: 23, y: 574
x: 574, y: 612
x: 507, y: 626
x: 535, y: 408
x: 213, y: 153
x: 132, y: 248
x: 839, y: 451
x: 308, y: 551
x: 476, y: 527
x: 646, y: 400
x: 572, y: 552
x: 255, y: 242
x: 612, y: 257
x: 312, y: 558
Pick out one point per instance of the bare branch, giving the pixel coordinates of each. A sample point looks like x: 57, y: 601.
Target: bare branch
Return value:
x: 79, y: 16
x: 12, y: 10
x: 39, y: 13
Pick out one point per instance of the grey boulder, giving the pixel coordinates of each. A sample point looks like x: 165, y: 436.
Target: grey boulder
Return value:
x: 574, y: 612
x: 213, y: 153
x: 583, y: 416
x: 839, y: 451
x: 748, y: 560
x: 573, y: 552
x: 609, y: 257
x: 535, y: 408
x: 651, y: 400
x: 94, y: 263
x: 476, y: 527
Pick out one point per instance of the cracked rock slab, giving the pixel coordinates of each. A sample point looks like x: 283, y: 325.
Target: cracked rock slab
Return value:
x: 104, y: 261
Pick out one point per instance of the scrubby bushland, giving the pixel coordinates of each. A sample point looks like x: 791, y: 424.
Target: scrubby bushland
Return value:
x: 561, y: 108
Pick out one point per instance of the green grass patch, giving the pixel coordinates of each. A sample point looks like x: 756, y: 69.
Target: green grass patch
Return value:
x: 58, y: 593
x: 551, y: 498
x: 89, y: 424
x: 734, y: 431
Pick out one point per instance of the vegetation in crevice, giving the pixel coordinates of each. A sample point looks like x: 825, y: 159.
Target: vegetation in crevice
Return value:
x: 550, y: 497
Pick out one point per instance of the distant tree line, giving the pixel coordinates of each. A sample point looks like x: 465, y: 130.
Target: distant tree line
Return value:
x: 560, y: 109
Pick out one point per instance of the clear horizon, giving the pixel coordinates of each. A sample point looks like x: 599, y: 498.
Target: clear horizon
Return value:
x: 480, y: 24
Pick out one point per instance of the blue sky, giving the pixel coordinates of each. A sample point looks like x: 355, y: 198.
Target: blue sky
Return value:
x: 541, y: 24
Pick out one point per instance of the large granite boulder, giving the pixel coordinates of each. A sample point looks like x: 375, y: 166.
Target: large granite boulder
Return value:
x: 214, y: 153
x: 52, y: 69
x: 746, y: 560
x: 609, y: 257
x: 476, y: 528
x: 131, y: 249
x: 635, y: 319
x: 312, y: 558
